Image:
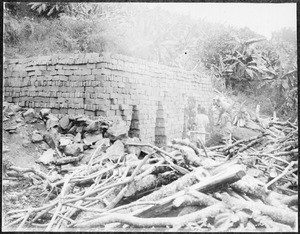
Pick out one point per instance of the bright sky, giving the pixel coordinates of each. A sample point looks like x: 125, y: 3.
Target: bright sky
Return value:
x: 263, y: 18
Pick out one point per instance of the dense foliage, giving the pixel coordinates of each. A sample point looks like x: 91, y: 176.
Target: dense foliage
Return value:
x: 244, y: 61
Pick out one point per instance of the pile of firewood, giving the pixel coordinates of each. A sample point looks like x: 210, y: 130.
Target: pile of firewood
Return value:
x: 124, y: 183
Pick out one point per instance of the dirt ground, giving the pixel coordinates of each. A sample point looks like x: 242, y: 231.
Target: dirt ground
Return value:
x: 18, y: 150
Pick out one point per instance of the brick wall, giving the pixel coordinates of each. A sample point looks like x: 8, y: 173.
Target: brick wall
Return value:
x: 148, y: 96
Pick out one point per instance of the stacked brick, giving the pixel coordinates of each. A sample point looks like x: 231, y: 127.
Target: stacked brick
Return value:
x: 160, y: 131
x: 106, y: 85
x: 134, y: 130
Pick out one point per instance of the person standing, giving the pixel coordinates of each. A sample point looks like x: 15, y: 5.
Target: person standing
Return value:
x: 224, y: 120
x: 226, y: 128
x: 201, y: 123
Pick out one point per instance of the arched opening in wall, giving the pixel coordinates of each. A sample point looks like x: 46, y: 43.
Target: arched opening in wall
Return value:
x: 160, y: 130
x: 134, y: 130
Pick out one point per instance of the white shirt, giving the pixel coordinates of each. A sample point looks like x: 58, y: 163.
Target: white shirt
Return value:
x: 201, y: 122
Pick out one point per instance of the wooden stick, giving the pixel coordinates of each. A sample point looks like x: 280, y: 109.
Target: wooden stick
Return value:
x: 136, y: 170
x: 41, y: 214
x: 281, y: 175
x: 66, y: 160
x: 243, y: 141
x: 174, y: 166
x: 86, y: 209
x: 61, y: 218
x: 62, y: 193
x: 294, y: 151
x: 242, y: 149
x: 152, y: 146
x: 128, y: 180
x: 39, y: 225
x: 14, y: 222
x: 216, y: 147
x: 72, y: 211
x: 149, y: 170
x: 84, y: 178
x: 34, y: 209
x: 33, y: 170
x: 105, y: 212
x: 92, y: 157
x: 53, y: 219
x: 203, y: 147
x: 269, y: 155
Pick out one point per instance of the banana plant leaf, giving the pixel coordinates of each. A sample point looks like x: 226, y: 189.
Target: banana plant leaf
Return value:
x: 254, y: 40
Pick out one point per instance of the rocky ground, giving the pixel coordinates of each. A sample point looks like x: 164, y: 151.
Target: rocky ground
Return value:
x: 72, y: 173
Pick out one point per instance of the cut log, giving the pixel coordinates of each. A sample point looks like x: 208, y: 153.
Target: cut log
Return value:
x: 154, y: 222
x: 243, y: 133
x: 147, y: 183
x: 193, y: 198
x: 256, y: 189
x: 66, y: 160
x: 188, y: 209
x: 251, y: 187
x: 208, y: 184
x: 33, y: 170
x: 182, y: 183
x: 279, y: 215
x: 189, y: 155
x: 186, y: 143
x: 291, y: 200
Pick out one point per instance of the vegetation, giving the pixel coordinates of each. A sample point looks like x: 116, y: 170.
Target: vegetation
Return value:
x: 265, y: 71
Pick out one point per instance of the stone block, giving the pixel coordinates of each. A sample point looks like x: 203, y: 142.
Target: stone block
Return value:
x: 89, y: 89
x: 31, y: 73
x: 127, y: 112
x: 42, y: 68
x: 89, y: 101
x: 79, y: 111
x: 96, y: 71
x: 74, y: 67
x: 89, y: 112
x: 100, y: 77
x: 78, y: 72
x: 63, y: 111
x: 91, y: 65
x: 110, y: 113
x: 71, y: 111
x: 114, y: 107
x: 55, y: 111
x: 30, y: 68
x: 68, y: 72
x: 90, y: 78
x: 86, y: 72
x: 101, y: 65
x: 101, y: 113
